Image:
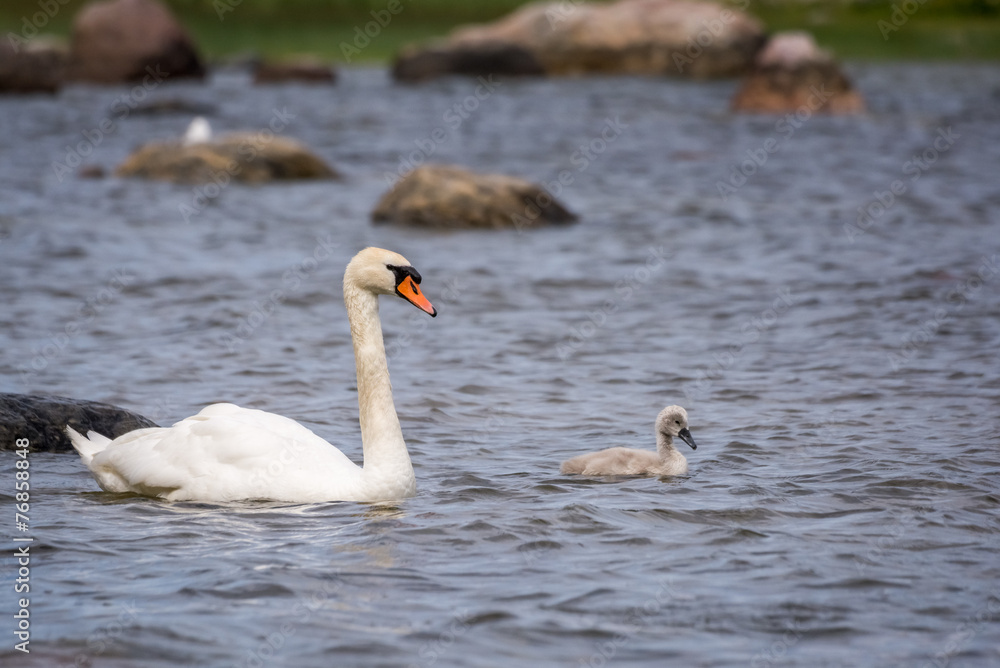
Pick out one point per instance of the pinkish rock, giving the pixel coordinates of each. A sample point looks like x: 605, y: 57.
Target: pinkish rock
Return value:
x: 117, y: 41
x: 791, y: 73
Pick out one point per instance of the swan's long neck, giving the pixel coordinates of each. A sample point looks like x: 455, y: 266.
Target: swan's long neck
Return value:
x: 384, y: 449
x: 665, y: 446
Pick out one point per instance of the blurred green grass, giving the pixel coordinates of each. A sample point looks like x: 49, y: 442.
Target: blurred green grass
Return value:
x: 936, y: 30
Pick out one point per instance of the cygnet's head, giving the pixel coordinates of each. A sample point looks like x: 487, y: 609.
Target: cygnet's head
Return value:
x: 383, y: 272
x: 673, y: 421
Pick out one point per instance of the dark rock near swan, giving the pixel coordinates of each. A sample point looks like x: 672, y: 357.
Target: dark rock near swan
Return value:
x: 648, y: 37
x: 249, y: 157
x: 118, y: 41
x: 792, y: 73
x: 445, y: 196
x: 43, y: 420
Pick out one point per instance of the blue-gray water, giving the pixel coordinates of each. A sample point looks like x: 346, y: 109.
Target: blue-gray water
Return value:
x: 842, y: 383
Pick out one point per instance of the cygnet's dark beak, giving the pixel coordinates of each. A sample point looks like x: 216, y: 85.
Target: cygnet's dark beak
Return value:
x: 687, y: 438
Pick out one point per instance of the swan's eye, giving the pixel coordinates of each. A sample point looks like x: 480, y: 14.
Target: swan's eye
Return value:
x: 677, y: 422
x: 402, y: 272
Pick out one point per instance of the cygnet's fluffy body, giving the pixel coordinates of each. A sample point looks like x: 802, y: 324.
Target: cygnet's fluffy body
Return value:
x: 672, y: 421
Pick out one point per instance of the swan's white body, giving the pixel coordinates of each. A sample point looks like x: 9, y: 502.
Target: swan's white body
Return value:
x: 228, y: 453
x: 671, y: 422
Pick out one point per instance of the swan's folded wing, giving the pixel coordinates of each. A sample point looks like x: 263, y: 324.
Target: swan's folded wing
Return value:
x: 225, y: 454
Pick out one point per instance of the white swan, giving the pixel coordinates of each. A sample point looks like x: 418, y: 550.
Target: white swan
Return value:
x: 228, y: 453
x: 198, y: 132
x: 672, y: 421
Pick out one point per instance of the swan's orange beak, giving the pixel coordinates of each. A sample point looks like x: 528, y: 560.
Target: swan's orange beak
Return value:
x: 408, y: 290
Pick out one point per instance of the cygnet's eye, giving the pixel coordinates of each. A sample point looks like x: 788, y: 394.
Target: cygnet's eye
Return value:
x: 677, y: 422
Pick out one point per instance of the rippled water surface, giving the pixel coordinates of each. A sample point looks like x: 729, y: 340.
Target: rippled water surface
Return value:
x: 842, y: 383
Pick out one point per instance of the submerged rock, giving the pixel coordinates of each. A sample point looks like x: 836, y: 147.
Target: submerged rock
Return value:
x: 658, y: 37
x: 248, y: 157
x: 90, y: 172
x: 174, y: 105
x: 118, y: 41
x: 790, y: 73
x: 446, y: 196
x: 42, y: 420
x: 302, y: 71
x: 422, y: 63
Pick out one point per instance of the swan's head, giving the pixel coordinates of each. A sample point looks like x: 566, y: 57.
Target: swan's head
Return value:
x: 383, y: 272
x: 673, y: 421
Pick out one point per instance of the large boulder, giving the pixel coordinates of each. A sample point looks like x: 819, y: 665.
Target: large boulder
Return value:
x: 43, y: 420
x: 445, y: 196
x: 249, y: 157
x: 37, y: 66
x: 792, y: 73
x: 657, y: 37
x: 116, y: 41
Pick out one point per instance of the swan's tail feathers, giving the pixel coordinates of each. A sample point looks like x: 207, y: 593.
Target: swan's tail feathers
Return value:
x: 88, y: 445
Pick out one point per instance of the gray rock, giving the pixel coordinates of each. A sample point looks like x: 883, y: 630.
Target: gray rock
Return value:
x: 446, y: 196
x: 35, y: 67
